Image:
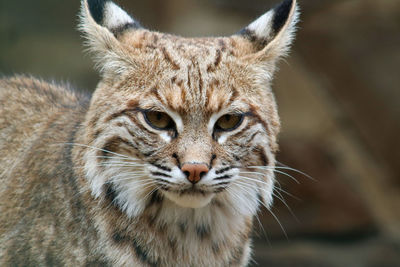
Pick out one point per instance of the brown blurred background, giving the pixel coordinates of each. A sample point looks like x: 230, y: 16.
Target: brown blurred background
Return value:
x: 339, y: 100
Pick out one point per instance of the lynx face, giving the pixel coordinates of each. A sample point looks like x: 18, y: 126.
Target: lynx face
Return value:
x: 193, y: 119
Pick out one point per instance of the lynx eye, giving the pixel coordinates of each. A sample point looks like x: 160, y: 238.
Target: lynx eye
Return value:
x: 228, y: 122
x: 158, y: 120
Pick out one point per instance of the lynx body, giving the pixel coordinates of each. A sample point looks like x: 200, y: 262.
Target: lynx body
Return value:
x: 166, y: 164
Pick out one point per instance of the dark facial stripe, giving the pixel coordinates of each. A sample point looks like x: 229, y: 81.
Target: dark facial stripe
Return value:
x: 200, y: 80
x: 127, y: 112
x: 254, y: 113
x: 244, y: 129
x: 164, y: 168
x: 218, y: 56
x: 154, y: 92
x: 176, y: 157
x: 168, y: 58
x: 113, y: 143
x: 262, y: 156
x: 234, y: 95
x: 222, y: 184
x: 250, y: 140
x: 226, y: 176
x: 189, y: 83
x: 160, y: 174
x: 223, y: 170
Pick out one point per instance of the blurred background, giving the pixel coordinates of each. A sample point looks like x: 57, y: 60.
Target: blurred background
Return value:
x: 339, y: 99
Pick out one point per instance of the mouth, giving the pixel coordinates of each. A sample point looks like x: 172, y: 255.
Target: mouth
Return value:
x: 193, y: 191
x: 192, y: 197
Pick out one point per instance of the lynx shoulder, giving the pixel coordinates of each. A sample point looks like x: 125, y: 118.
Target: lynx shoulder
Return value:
x: 166, y: 164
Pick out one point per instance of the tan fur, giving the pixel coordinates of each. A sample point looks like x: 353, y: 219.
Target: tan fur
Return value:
x: 87, y: 181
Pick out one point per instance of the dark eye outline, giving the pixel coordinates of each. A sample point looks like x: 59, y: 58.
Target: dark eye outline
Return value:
x: 241, y: 119
x: 170, y: 126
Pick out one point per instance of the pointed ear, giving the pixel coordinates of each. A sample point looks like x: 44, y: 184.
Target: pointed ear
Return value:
x: 102, y: 22
x: 271, y: 34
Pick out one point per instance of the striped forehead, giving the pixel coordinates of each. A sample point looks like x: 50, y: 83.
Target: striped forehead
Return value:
x: 193, y: 88
x: 195, y: 73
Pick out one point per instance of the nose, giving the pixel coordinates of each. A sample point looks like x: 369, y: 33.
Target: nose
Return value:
x: 194, y: 171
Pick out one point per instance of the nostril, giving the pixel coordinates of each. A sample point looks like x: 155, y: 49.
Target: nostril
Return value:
x: 194, y: 171
x: 202, y: 174
x: 187, y: 173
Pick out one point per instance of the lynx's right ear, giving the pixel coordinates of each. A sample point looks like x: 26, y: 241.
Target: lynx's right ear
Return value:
x: 102, y: 22
x: 271, y: 34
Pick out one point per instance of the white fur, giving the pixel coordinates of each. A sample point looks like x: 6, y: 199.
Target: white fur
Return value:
x: 114, y: 16
x: 165, y: 136
x: 262, y: 26
x: 190, y: 201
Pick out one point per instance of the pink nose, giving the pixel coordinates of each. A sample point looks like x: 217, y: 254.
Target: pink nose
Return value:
x: 194, y: 171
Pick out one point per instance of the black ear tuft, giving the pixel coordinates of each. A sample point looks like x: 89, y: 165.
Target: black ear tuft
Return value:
x: 281, y: 14
x: 96, y: 8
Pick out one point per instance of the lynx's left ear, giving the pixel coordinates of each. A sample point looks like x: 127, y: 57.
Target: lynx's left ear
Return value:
x: 271, y: 34
x: 103, y: 22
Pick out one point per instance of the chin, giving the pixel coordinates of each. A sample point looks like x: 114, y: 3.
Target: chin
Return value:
x: 190, y: 200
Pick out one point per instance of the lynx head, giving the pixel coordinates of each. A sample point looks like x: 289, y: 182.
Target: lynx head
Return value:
x: 191, y: 120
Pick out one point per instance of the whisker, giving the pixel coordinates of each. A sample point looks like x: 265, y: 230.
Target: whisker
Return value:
x: 277, y: 171
x: 288, y: 175
x: 275, y: 217
x: 253, y: 179
x: 280, y: 224
x: 295, y: 170
x: 95, y: 148
x: 287, y: 193
x: 116, y: 164
x: 281, y: 198
x: 114, y: 157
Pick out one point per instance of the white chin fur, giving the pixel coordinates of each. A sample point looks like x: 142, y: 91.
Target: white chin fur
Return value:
x: 190, y: 201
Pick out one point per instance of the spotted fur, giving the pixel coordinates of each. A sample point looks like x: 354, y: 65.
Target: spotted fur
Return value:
x: 88, y: 181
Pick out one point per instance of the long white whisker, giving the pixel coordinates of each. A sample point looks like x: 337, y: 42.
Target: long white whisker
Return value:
x: 281, y: 198
x: 296, y: 170
x: 253, y: 179
x: 115, y: 157
x: 93, y: 147
x: 277, y: 171
x: 276, y: 218
x: 287, y: 193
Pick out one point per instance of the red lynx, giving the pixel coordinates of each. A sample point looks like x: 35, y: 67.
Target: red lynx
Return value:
x: 165, y: 165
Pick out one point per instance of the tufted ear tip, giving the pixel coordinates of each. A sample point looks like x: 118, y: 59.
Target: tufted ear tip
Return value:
x: 275, y: 29
x: 281, y: 14
x: 109, y: 15
x: 103, y: 23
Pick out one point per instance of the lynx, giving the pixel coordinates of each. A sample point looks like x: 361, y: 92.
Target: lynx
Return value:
x: 166, y: 164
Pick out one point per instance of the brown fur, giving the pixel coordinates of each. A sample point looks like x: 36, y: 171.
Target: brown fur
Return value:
x: 86, y: 181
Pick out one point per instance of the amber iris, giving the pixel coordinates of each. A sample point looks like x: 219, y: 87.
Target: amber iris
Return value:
x: 158, y: 120
x: 228, y: 122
